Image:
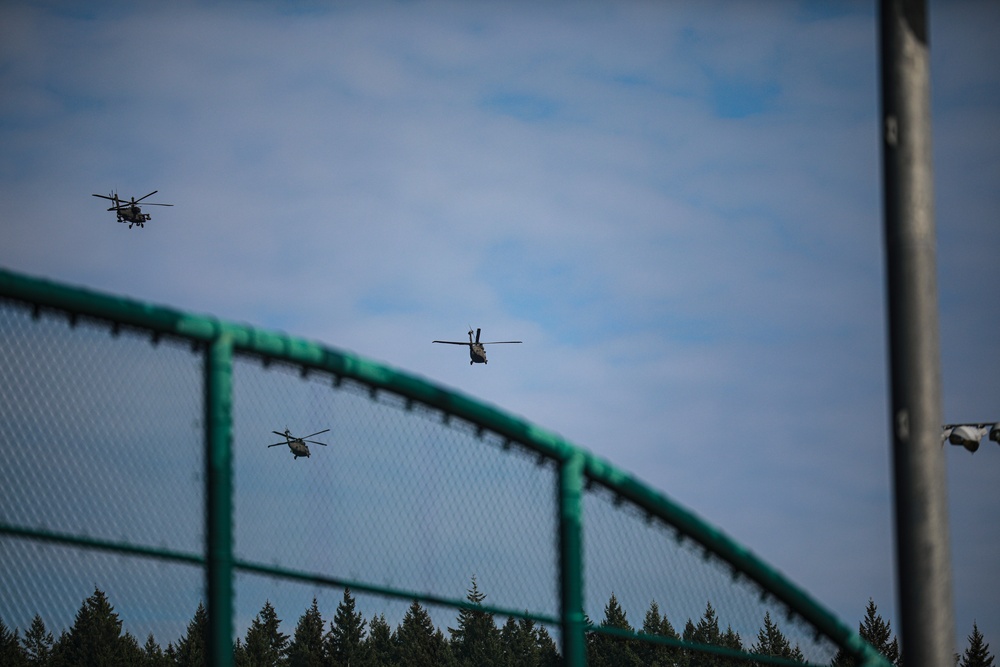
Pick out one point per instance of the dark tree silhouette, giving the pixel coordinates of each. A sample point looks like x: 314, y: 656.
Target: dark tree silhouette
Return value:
x: 380, y: 644
x: 608, y: 651
x: 547, y: 651
x: 657, y: 655
x: 476, y: 640
x: 978, y: 652
x: 306, y: 649
x: 95, y: 638
x: 876, y: 632
x: 265, y: 645
x: 344, y: 643
x: 153, y: 655
x: 524, y: 643
x: 772, y: 642
x: 418, y: 643
x: 131, y: 652
x: 192, y: 649
x: 707, y: 632
x: 37, y: 643
x: 11, y: 652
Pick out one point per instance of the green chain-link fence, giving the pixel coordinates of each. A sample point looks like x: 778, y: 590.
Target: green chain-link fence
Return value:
x: 134, y: 460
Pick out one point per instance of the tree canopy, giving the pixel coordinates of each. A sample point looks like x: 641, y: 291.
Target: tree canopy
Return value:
x: 97, y: 637
x: 978, y: 653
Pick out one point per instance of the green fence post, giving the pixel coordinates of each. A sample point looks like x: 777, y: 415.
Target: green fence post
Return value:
x: 571, y: 560
x: 219, y: 499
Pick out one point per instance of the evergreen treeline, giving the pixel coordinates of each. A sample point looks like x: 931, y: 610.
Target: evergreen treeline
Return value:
x: 96, y: 638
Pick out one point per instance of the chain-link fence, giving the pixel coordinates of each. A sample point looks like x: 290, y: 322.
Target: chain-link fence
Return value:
x: 136, y: 459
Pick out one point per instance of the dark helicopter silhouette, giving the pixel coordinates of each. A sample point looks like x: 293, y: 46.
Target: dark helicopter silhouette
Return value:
x: 129, y: 211
x: 298, y: 445
x: 477, y: 351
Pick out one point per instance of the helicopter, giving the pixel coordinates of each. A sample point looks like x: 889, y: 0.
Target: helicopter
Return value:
x: 129, y: 211
x: 298, y: 445
x: 477, y: 351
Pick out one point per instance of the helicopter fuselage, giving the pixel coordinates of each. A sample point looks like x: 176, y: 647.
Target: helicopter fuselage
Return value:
x: 132, y: 214
x: 298, y: 448
x: 477, y: 353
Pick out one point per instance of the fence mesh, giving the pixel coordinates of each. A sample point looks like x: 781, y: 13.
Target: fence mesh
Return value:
x: 100, y: 438
x: 398, y: 497
x: 417, y: 496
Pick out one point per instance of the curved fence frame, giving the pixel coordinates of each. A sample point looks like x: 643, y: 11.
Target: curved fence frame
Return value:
x: 578, y: 469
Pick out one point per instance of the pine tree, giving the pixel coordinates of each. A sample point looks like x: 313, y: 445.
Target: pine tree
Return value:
x: 130, y: 652
x: 548, y: 653
x: 265, y: 645
x: 876, y: 632
x: 515, y: 652
x: 706, y: 632
x: 731, y: 639
x: 344, y: 642
x: 11, y: 652
x: 445, y: 657
x: 95, y: 638
x: 978, y: 652
x: 657, y: 655
x: 476, y: 640
x: 306, y: 649
x: 772, y: 642
x: 170, y: 653
x: 192, y: 649
x: 240, y: 658
x: 610, y: 651
x: 419, y: 644
x: 380, y: 644
x: 518, y: 644
x: 37, y: 643
x: 153, y: 655
x: 57, y: 648
x: 525, y: 644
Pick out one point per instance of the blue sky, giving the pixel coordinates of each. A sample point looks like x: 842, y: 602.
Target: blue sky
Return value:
x: 675, y: 206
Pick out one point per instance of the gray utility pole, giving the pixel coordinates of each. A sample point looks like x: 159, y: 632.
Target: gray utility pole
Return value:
x: 923, y: 559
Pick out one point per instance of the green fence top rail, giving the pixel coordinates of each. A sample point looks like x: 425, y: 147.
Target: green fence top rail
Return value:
x: 310, y: 356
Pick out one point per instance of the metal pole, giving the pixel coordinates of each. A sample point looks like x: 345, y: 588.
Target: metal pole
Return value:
x: 922, y: 545
x: 571, y: 560
x: 219, y: 499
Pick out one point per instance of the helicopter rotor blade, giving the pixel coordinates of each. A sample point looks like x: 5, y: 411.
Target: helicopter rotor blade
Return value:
x: 453, y: 342
x: 283, y: 435
x: 316, y: 433
x: 149, y: 203
x: 477, y: 334
x: 276, y: 444
x: 315, y: 442
x: 112, y: 198
x: 500, y: 342
x: 136, y: 201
